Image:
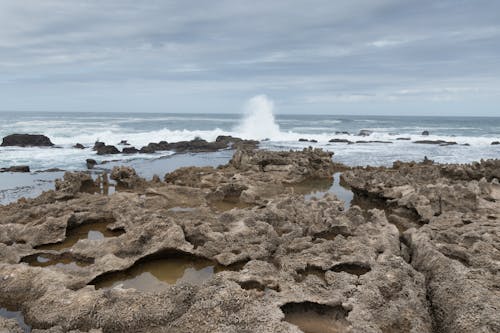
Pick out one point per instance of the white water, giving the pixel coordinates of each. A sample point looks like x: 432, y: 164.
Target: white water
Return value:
x: 258, y: 122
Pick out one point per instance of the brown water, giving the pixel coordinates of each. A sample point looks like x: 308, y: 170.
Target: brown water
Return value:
x: 317, y: 188
x: 316, y: 318
x: 224, y: 205
x: 45, y: 260
x: 92, y: 231
x: 18, y: 316
x: 160, y: 274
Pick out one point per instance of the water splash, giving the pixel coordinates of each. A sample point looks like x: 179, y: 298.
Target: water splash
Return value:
x: 258, y: 122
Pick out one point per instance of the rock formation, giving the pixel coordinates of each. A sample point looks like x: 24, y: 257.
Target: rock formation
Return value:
x: 274, y: 258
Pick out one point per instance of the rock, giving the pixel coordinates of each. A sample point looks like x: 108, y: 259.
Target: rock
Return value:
x: 26, y: 140
x: 126, y: 177
x: 106, y: 150
x: 98, y: 145
x: 436, y: 142
x: 130, y: 150
x: 79, y: 146
x: 341, y: 132
x: 73, y: 183
x: 339, y: 141
x: 123, y: 143
x: 365, y: 132
x: 403, y: 138
x: 91, y: 163
x: 373, y: 141
x: 16, y: 168
x: 425, y: 133
x: 313, y: 141
x: 200, y: 145
x: 273, y: 257
x: 495, y: 143
x: 303, y: 140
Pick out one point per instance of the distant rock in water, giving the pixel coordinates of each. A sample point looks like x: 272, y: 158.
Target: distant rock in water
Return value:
x: 16, y: 168
x: 342, y: 132
x: 26, y: 140
x: 107, y: 150
x: 365, y: 132
x: 340, y: 141
x: 130, y: 150
x: 124, y: 143
x: 303, y: 140
x: 495, y: 143
x: 91, y: 163
x: 436, y: 142
x: 98, y: 144
x: 79, y: 146
x: 403, y: 139
x: 425, y: 133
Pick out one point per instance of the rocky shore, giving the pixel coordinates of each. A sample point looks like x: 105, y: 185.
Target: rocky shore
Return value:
x: 244, y: 248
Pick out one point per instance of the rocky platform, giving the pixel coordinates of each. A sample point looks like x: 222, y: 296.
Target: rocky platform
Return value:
x: 283, y: 262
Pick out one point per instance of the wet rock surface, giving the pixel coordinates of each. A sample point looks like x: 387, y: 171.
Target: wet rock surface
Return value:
x: 273, y: 260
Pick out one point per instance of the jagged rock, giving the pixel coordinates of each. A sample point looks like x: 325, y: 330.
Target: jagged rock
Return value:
x: 16, y: 168
x: 495, y: 143
x: 280, y: 255
x: 79, y: 146
x: 425, y: 133
x: 124, y: 143
x: 25, y: 140
x: 126, y: 177
x: 72, y: 183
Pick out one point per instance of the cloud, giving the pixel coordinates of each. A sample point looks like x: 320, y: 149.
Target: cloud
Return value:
x: 312, y: 55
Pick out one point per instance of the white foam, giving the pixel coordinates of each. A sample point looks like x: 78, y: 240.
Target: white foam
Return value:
x: 258, y: 122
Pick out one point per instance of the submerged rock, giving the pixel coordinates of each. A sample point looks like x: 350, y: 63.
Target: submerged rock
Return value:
x: 79, y: 146
x: 26, y: 140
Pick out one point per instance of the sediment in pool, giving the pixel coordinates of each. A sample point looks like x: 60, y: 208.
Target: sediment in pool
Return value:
x: 92, y: 231
x: 161, y: 271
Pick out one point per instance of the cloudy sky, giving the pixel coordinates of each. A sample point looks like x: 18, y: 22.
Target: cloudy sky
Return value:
x: 339, y: 57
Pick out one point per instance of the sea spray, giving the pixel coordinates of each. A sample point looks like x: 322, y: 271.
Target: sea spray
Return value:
x: 258, y: 122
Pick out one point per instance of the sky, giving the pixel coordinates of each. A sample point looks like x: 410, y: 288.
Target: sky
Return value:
x: 311, y: 57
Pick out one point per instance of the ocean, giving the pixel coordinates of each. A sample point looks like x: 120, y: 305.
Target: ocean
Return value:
x: 473, y: 136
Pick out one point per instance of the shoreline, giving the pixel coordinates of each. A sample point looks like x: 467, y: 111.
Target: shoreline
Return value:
x: 266, y: 231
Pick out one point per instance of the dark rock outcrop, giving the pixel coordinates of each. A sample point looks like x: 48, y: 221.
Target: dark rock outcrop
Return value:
x: 436, y: 142
x: 91, y: 163
x: 130, y: 150
x: 425, y: 133
x: 107, y: 150
x: 79, y: 146
x: 26, y: 140
x: 16, y: 168
x: 339, y: 141
x: 495, y: 143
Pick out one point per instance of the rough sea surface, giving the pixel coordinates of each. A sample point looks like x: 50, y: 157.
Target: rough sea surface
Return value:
x: 473, y: 136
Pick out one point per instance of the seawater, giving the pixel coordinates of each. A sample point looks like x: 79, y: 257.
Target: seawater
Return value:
x: 473, y: 136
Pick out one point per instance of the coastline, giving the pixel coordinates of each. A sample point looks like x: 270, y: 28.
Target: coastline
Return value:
x: 264, y: 237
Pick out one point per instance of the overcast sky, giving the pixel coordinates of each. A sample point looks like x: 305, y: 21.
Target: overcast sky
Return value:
x: 339, y: 57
